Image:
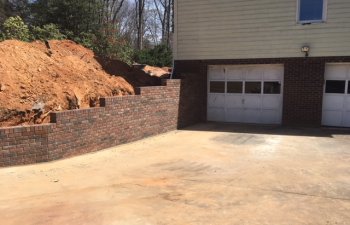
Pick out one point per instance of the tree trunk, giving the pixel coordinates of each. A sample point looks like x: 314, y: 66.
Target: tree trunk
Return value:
x: 140, y: 6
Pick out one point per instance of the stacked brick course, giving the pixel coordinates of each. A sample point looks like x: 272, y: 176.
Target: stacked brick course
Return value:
x: 154, y: 110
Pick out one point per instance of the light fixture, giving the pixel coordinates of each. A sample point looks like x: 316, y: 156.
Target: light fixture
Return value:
x: 306, y: 50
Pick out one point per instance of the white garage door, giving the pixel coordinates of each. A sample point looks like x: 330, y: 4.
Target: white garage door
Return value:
x: 336, y: 99
x: 245, y: 94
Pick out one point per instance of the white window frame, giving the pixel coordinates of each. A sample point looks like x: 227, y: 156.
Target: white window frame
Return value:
x: 324, y: 14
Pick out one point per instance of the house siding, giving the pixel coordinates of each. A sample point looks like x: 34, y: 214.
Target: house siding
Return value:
x: 241, y: 29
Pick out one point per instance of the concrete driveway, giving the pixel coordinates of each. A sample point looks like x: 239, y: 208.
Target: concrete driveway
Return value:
x: 208, y: 174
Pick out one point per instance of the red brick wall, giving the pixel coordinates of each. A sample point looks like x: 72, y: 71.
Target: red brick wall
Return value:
x: 303, y: 85
x: 153, y: 111
x: 24, y: 145
x: 303, y: 92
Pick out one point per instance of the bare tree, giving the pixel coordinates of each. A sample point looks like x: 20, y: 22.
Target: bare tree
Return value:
x: 112, y: 9
x: 139, y: 7
x: 152, y: 26
x: 165, y: 9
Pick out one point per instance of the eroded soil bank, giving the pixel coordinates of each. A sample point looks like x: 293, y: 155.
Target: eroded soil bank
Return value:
x: 38, y: 78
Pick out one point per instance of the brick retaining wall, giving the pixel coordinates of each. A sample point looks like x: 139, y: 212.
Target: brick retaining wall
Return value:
x: 154, y: 110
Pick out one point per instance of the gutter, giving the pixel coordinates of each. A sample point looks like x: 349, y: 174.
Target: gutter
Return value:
x: 173, y: 69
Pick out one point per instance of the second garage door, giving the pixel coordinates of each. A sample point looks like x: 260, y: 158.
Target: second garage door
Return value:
x: 336, y: 98
x: 245, y: 94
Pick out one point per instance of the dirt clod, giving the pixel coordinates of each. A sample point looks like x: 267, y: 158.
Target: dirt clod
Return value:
x: 157, y: 72
x: 2, y: 87
x: 73, y: 102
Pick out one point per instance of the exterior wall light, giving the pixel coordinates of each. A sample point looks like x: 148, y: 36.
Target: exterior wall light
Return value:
x: 306, y: 50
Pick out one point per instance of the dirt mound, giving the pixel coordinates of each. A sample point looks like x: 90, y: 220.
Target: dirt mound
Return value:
x: 135, y: 75
x: 37, y: 78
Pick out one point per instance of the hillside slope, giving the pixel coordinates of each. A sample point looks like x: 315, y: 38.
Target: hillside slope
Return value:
x: 37, y: 78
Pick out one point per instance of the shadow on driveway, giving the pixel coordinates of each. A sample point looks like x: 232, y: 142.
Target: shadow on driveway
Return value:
x: 269, y: 129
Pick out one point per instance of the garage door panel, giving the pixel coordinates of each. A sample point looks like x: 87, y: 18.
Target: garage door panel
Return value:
x: 235, y: 73
x: 346, y: 120
x: 273, y: 73
x: 216, y: 100
x: 252, y: 102
x: 333, y: 102
x: 216, y: 114
x: 272, y: 102
x: 336, y: 72
x: 332, y: 118
x: 347, y: 103
x: 252, y: 116
x: 234, y: 115
x: 216, y: 73
x: 234, y: 101
x: 253, y: 73
x: 271, y: 116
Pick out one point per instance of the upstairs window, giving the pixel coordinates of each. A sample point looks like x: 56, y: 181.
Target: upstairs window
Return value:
x: 312, y: 11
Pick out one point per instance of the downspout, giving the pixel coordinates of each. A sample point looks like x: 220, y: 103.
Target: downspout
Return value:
x: 175, y: 38
x: 172, y: 70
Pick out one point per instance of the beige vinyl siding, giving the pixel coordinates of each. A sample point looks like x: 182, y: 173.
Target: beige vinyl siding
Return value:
x: 236, y: 29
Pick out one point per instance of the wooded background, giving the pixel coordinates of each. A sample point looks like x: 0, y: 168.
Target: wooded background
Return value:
x: 131, y: 30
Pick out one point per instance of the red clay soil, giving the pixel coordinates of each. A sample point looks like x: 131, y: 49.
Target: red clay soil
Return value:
x: 157, y: 72
x: 36, y: 78
x: 137, y: 75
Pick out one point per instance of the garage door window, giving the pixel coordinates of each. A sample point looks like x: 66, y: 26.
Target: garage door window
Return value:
x: 272, y: 88
x: 349, y: 87
x: 217, y: 87
x: 335, y: 86
x: 235, y: 87
x: 253, y: 87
